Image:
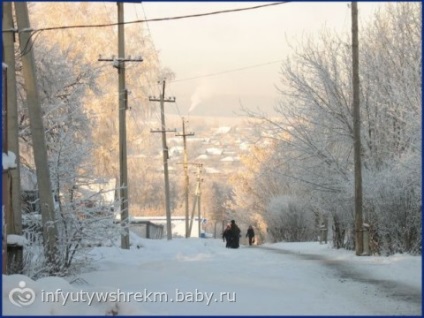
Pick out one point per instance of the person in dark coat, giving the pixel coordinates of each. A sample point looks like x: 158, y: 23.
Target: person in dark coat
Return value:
x: 235, y: 235
x: 251, y: 235
x: 226, y: 236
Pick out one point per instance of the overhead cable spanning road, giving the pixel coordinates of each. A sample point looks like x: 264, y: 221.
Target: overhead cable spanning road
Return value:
x: 197, y: 15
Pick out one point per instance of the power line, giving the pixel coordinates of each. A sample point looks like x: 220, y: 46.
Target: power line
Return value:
x: 154, y: 47
x: 159, y: 19
x: 148, y: 76
x: 29, y: 44
x: 153, y: 43
x: 176, y: 105
x: 228, y: 71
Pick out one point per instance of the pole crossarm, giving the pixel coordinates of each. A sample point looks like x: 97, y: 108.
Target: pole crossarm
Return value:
x: 119, y: 62
x: 120, y: 59
x: 165, y: 100
x: 161, y: 131
x: 184, y: 135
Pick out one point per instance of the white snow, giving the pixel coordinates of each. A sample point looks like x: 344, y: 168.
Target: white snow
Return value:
x: 222, y: 130
x: 161, y: 169
x: 176, y: 151
x: 8, y: 160
x: 202, y: 277
x: 210, y: 170
x: 202, y: 157
x: 214, y: 151
x: 177, y: 223
x: 14, y: 239
x: 245, y: 146
x: 229, y: 158
x: 177, y: 140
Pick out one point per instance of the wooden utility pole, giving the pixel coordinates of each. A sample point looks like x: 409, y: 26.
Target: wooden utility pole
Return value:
x: 50, y: 233
x: 123, y: 105
x: 199, y: 207
x: 5, y: 174
x: 184, y: 135
x: 196, y: 198
x: 193, y: 209
x: 15, y: 220
x: 162, y: 101
x: 359, y: 244
x: 14, y: 217
x: 119, y: 63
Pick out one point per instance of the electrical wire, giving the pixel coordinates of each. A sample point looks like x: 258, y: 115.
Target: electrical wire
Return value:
x: 29, y: 44
x: 160, y: 19
x: 228, y: 71
x: 154, y: 90
x: 155, y: 50
x: 130, y: 112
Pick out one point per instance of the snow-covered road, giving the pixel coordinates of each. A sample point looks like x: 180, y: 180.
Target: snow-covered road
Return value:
x: 404, y: 294
x: 202, y: 277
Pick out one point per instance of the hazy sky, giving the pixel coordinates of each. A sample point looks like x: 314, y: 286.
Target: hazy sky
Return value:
x: 212, y: 44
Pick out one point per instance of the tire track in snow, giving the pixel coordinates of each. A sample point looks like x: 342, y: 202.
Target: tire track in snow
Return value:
x: 393, y: 289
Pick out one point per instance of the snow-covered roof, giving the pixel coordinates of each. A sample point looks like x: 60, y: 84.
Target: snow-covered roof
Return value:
x: 161, y: 169
x: 210, y: 170
x: 198, y: 139
x: 214, y: 151
x: 222, y: 130
x: 244, y: 146
x: 229, y: 158
x: 202, y: 157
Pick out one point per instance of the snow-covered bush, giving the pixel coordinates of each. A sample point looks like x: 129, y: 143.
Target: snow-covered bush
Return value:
x: 80, y: 227
x: 290, y: 220
x: 395, y: 204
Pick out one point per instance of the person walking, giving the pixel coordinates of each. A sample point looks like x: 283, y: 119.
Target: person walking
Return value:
x: 251, y: 235
x: 226, y: 236
x: 234, y: 235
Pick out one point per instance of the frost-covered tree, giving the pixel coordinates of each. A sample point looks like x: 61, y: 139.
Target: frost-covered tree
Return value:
x: 62, y: 83
x: 314, y: 128
x: 102, y: 106
x: 217, y: 198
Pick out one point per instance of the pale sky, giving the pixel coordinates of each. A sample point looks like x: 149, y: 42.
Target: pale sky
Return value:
x: 212, y: 44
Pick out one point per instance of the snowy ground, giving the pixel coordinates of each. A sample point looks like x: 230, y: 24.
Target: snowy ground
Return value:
x: 202, y: 277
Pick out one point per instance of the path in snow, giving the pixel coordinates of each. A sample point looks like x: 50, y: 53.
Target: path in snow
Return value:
x: 266, y: 281
x: 396, y: 290
x: 272, y: 279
